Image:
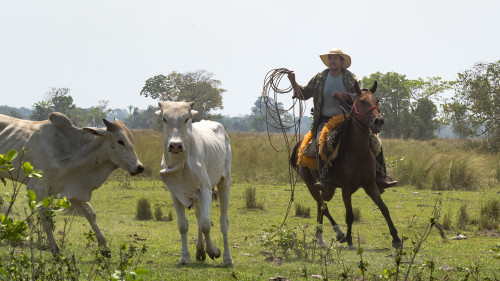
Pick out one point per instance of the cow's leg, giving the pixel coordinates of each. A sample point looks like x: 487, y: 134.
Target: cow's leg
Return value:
x: 41, y: 192
x: 183, y: 226
x: 204, y: 222
x: 349, y: 216
x: 200, y: 244
x: 86, y: 209
x: 223, y: 187
x: 374, y: 194
x: 48, y: 226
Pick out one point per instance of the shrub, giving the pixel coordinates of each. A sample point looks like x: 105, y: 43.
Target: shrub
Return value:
x: 490, y: 215
x: 250, y: 199
x: 446, y: 221
x: 143, y: 210
x: 356, y: 214
x: 301, y: 211
x: 463, y: 217
x: 158, y: 213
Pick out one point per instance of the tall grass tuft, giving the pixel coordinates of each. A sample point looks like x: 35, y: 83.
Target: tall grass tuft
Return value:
x: 490, y: 215
x: 446, y: 224
x: 301, y: 211
x: 463, y: 219
x: 251, y: 199
x: 144, y: 210
x: 158, y: 213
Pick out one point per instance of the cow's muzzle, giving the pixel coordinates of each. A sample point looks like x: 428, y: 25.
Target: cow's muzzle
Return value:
x: 175, y: 147
x: 139, y: 169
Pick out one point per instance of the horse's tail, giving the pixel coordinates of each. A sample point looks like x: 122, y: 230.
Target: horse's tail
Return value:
x: 295, y: 156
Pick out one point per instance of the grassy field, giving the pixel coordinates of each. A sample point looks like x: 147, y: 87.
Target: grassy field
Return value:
x: 253, y: 238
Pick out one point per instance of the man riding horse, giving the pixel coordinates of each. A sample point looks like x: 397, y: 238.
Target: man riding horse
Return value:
x: 327, y: 88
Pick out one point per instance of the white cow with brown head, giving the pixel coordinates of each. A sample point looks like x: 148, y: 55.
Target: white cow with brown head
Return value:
x: 74, y: 161
x: 196, y: 158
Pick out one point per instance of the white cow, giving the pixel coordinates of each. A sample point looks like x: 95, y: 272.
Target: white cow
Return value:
x: 196, y: 158
x: 74, y: 161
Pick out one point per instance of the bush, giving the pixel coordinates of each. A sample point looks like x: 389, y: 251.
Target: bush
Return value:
x: 158, y: 213
x: 490, y: 215
x: 463, y: 217
x: 143, y: 210
x: 250, y: 199
x: 301, y: 211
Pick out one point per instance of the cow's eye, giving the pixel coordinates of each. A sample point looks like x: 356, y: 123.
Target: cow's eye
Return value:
x: 186, y: 121
x: 120, y: 142
x: 165, y: 120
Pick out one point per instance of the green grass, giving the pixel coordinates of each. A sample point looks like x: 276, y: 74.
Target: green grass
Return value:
x: 424, y: 168
x: 115, y: 207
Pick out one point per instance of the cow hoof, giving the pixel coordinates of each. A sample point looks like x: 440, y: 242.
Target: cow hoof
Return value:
x: 183, y: 262
x: 228, y: 263
x: 217, y: 254
x: 201, y: 255
x: 350, y: 247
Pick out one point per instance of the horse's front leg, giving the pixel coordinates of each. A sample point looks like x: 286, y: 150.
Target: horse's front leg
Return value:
x: 374, y: 194
x: 349, y: 217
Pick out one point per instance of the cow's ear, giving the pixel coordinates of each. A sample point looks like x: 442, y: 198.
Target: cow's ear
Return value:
x: 158, y: 112
x: 193, y: 113
x: 95, y: 131
x: 191, y: 104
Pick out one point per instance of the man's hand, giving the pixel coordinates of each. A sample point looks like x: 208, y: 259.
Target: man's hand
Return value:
x: 343, y: 96
x: 291, y: 77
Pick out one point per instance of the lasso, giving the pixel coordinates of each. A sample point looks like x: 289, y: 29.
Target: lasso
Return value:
x: 273, y: 115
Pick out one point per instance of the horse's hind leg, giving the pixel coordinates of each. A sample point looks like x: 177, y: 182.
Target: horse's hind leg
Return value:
x: 375, y: 196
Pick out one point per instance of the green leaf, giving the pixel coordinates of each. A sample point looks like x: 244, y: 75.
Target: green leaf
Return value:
x: 11, y: 155
x: 37, y: 173
x: 27, y: 167
x: 31, y: 195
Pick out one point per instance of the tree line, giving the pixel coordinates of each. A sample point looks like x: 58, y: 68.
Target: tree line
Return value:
x: 411, y: 108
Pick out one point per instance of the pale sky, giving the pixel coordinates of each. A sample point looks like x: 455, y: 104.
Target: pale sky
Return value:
x: 106, y: 50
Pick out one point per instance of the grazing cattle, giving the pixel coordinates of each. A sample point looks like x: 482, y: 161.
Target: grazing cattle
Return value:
x: 196, y: 157
x: 74, y: 161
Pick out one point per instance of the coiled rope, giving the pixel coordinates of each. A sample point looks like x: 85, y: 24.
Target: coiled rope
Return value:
x: 275, y: 118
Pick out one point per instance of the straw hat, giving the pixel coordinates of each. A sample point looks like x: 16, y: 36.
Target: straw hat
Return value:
x: 347, y: 58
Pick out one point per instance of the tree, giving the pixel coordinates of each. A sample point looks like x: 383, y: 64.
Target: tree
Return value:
x: 393, y: 91
x: 198, y: 87
x: 97, y: 113
x: 268, y: 117
x: 475, y: 108
x: 56, y: 99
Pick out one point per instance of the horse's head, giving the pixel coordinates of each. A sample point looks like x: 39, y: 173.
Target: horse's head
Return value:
x: 366, y: 108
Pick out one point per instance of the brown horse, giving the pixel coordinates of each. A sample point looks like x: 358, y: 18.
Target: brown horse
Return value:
x: 355, y: 166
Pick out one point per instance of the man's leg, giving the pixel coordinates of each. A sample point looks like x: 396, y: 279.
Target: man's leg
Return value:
x: 381, y: 177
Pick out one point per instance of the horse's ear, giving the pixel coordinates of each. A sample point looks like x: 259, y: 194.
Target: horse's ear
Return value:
x: 373, y: 88
x: 356, y: 88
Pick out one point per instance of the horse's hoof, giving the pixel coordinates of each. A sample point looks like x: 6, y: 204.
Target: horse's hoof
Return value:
x: 350, y: 247
x: 397, y: 245
x: 341, y: 238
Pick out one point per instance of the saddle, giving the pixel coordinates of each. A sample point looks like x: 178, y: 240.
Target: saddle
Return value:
x: 328, y: 143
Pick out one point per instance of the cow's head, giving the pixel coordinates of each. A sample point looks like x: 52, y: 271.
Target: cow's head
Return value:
x: 177, y: 120
x: 121, y: 149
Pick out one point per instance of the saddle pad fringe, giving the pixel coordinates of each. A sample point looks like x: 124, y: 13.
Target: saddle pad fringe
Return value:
x: 303, y: 159
x: 310, y: 162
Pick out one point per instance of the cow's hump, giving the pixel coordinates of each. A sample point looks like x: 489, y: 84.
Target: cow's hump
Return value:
x: 60, y: 120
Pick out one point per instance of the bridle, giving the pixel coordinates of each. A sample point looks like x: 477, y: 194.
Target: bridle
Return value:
x: 354, y: 109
